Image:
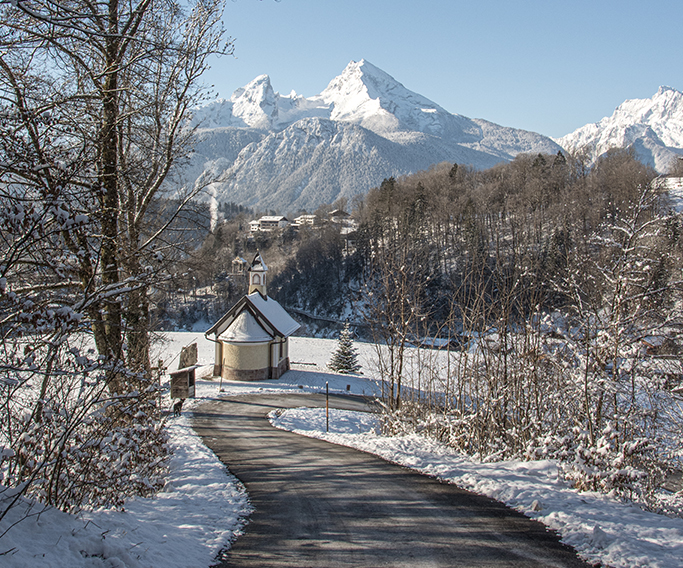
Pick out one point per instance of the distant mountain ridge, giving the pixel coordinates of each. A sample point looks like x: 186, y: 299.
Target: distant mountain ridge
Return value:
x: 653, y: 127
x: 289, y: 152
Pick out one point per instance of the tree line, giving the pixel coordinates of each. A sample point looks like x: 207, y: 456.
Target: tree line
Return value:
x: 554, y: 289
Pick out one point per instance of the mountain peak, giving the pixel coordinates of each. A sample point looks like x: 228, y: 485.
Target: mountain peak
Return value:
x: 366, y: 95
x: 256, y: 103
x: 653, y: 126
x: 366, y: 73
x: 260, y: 83
x: 664, y: 89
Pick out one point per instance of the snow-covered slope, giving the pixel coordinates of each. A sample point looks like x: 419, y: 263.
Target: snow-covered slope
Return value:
x: 316, y: 160
x: 289, y: 152
x: 369, y: 97
x: 654, y: 127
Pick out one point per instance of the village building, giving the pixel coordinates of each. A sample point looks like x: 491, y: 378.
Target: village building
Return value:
x: 348, y: 229
x: 268, y: 223
x: 252, y: 338
x: 239, y: 265
x: 338, y: 215
x: 306, y: 219
x: 272, y: 222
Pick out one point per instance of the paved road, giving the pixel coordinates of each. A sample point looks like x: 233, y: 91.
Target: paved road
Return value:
x: 321, y: 505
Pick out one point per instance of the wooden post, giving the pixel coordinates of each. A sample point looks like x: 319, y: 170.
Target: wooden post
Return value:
x: 327, y: 406
x: 160, y: 371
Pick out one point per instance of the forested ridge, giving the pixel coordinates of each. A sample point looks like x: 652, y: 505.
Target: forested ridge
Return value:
x: 521, y: 222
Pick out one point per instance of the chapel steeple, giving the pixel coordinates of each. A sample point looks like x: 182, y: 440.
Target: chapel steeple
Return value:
x: 257, y: 276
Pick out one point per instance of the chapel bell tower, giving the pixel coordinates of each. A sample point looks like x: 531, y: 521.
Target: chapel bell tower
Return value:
x: 257, y: 276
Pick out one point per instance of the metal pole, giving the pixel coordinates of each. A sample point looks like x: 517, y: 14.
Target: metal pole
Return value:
x: 327, y: 406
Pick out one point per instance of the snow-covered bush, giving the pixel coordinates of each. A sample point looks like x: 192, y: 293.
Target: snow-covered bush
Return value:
x: 66, y: 439
x: 77, y: 428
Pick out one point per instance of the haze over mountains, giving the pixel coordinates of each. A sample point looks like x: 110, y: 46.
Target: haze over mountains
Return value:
x: 289, y: 152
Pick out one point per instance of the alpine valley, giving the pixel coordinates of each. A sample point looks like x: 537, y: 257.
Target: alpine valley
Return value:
x: 290, y: 153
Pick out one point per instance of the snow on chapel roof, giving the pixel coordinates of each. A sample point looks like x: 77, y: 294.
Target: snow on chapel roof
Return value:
x: 266, y: 314
x: 276, y: 315
x: 245, y: 329
x: 258, y: 263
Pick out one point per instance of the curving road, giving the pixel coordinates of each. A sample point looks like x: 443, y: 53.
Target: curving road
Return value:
x: 322, y: 505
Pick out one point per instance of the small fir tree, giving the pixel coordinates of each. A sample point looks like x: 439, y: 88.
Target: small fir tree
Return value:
x: 345, y: 358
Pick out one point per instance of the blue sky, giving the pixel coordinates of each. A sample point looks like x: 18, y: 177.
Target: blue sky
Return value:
x: 549, y: 66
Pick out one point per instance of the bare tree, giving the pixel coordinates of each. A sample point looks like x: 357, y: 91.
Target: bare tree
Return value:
x: 108, y: 87
x: 95, y: 101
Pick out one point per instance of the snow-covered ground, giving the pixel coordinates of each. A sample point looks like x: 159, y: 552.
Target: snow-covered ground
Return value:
x: 197, y: 514
x: 203, y: 507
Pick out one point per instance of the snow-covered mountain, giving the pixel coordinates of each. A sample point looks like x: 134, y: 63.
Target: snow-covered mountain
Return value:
x: 654, y: 127
x: 289, y: 152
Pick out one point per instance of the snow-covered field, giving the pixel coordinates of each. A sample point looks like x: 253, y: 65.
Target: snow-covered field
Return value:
x: 202, y: 507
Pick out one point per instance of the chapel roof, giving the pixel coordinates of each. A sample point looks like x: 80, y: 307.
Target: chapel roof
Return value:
x: 258, y: 263
x: 266, y: 312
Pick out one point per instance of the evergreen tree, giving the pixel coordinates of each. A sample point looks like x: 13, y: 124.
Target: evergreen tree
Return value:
x: 345, y: 358
x: 454, y: 172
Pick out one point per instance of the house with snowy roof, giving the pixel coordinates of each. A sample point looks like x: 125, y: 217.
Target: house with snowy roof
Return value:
x: 268, y: 223
x: 252, y: 338
x: 306, y: 220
